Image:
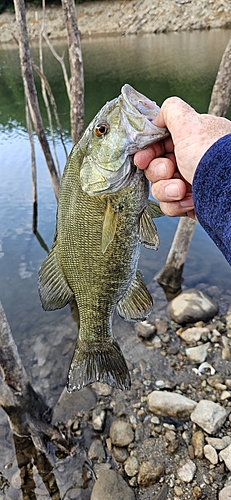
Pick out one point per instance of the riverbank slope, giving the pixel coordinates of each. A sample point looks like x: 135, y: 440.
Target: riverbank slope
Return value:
x: 116, y: 17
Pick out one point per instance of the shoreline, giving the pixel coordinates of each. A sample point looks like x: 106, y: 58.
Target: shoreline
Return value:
x: 123, y: 17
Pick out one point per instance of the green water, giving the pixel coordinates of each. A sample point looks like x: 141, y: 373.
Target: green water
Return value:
x: 159, y: 66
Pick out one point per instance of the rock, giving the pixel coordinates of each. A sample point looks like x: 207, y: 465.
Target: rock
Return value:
x: 226, y: 456
x: 150, y: 472
x: 162, y: 494
x: 102, y: 389
x: 144, y: 329
x: 111, y: 485
x: 121, y: 433
x: 225, y: 493
x: 192, y: 335
x: 198, y: 354
x: 99, y: 468
x: 69, y: 404
x: 209, y: 416
x: 98, y: 418
x: 96, y: 450
x: 211, y: 454
x: 198, y: 441
x: 190, y: 306
x: 131, y: 466
x: 170, y: 404
x: 120, y: 454
x: 186, y: 470
x: 219, y: 443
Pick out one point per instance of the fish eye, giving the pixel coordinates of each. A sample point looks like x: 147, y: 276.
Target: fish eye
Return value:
x: 102, y: 129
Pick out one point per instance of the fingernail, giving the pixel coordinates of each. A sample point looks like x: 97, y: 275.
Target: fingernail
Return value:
x: 172, y: 191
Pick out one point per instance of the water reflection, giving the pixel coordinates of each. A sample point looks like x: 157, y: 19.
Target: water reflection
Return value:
x: 184, y: 64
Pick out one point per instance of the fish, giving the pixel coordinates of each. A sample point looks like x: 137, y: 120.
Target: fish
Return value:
x: 104, y: 214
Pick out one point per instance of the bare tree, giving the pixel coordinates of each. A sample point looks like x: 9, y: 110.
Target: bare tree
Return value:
x: 76, y: 67
x: 30, y: 91
x: 170, y: 277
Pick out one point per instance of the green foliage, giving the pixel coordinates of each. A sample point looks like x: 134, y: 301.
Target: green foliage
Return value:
x: 6, y: 4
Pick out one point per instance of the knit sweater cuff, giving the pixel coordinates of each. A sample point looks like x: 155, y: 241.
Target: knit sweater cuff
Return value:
x: 211, y: 191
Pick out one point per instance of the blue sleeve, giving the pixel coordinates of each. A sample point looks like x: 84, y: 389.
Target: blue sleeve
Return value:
x: 211, y: 191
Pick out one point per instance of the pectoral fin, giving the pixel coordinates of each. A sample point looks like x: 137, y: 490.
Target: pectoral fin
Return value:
x: 148, y: 233
x: 154, y: 210
x: 109, y: 226
x: 54, y: 290
x: 137, y: 303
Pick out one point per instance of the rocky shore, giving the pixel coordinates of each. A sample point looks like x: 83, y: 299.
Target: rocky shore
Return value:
x: 124, y: 17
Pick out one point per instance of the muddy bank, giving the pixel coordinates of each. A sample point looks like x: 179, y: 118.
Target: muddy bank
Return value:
x: 124, y: 17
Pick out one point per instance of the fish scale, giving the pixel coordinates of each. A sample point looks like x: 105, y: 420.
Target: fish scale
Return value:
x: 103, y: 215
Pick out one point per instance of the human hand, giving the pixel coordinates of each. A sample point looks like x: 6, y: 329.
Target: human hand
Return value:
x: 170, y: 164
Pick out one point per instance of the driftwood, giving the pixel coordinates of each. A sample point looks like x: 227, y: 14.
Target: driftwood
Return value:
x: 28, y: 413
x: 170, y: 277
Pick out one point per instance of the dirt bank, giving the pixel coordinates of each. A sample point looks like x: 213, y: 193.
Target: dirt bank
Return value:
x: 125, y: 17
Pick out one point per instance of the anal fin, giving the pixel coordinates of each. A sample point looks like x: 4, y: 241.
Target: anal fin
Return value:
x: 137, y: 303
x: 54, y: 290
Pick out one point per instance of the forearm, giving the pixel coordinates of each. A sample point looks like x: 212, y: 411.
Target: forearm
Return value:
x: 212, y: 194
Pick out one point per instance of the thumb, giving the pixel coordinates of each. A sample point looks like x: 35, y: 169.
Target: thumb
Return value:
x: 174, y: 114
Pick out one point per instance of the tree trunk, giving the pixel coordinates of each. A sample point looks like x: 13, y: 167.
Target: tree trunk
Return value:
x: 171, y: 274
x: 30, y: 91
x: 76, y: 68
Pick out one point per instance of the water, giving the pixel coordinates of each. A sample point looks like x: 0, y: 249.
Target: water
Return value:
x: 157, y: 65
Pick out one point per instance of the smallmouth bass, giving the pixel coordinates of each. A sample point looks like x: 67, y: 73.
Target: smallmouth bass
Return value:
x: 103, y: 215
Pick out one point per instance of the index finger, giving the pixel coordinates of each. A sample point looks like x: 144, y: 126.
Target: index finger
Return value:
x: 145, y: 156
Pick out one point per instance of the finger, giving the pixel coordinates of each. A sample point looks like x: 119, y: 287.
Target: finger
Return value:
x: 173, y: 112
x: 174, y: 209
x: 160, y: 169
x: 169, y: 190
x: 143, y: 158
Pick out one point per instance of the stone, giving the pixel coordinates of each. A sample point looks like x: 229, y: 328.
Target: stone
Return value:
x: 150, y: 472
x: 120, y: 454
x: 98, y: 418
x: 190, y: 306
x: 170, y: 404
x: 144, y: 329
x: 209, y: 416
x: 219, y: 443
x: 186, y: 471
x: 131, y: 466
x: 102, y: 389
x: 198, y: 354
x: 225, y: 493
x: 96, y: 450
x: 121, y: 433
x: 192, y: 335
x: 226, y: 456
x: 198, y: 441
x: 211, y: 454
x: 111, y: 485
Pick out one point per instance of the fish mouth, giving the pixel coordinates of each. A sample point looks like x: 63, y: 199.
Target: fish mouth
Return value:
x: 139, y: 112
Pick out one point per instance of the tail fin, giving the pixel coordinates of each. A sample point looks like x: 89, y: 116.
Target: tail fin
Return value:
x: 101, y: 362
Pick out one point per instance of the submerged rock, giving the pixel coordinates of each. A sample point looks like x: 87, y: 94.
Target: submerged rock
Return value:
x: 190, y: 306
x: 111, y: 485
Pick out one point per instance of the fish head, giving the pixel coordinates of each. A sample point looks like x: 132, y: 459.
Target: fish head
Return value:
x: 121, y: 128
